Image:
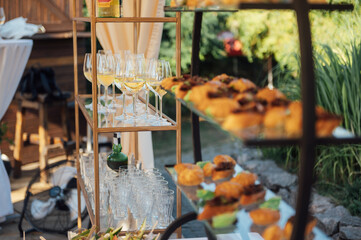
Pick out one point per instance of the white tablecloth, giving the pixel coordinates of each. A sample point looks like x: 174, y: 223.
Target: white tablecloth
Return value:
x: 14, y: 55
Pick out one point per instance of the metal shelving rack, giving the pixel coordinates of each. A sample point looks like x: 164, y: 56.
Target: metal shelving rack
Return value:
x: 93, y: 120
x: 308, y: 141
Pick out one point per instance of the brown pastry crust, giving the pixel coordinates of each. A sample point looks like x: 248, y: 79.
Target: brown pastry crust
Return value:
x: 275, y: 117
x: 169, y: 82
x: 199, y: 96
x: 245, y: 179
x: 264, y: 216
x: 191, y: 177
x: 311, y: 223
x: 239, y: 121
x: 220, y: 108
x: 270, y: 95
x: 221, y: 174
x: 273, y: 232
x: 224, y: 161
x: 182, y: 166
x: 208, y: 169
x: 224, y: 78
x: 180, y: 91
x: 229, y: 190
x: 252, y: 194
x: 243, y: 85
x: 210, y: 211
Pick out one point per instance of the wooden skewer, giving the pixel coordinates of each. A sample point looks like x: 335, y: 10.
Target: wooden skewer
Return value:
x: 92, y: 231
x: 23, y: 235
x: 41, y: 238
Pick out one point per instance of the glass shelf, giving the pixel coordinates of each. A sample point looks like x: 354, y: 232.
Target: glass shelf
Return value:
x: 255, y: 136
x: 243, y: 225
x: 110, y: 122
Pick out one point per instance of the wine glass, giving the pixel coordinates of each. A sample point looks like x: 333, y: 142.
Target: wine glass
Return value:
x: 163, y: 71
x: 151, y: 78
x: 119, y: 74
x: 106, y: 73
x: 133, y: 80
x: 2, y: 17
x: 87, y: 70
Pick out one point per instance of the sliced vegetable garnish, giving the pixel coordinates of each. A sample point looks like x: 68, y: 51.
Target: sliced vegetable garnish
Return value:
x: 272, y: 203
x: 224, y: 220
x: 205, y: 194
x: 202, y: 164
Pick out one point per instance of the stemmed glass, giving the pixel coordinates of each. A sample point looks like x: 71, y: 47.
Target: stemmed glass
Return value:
x: 134, y: 80
x: 106, y: 73
x: 163, y: 71
x: 2, y: 17
x: 87, y: 70
x: 119, y: 78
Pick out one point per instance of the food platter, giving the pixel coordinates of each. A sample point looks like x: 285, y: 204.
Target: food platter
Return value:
x: 243, y: 226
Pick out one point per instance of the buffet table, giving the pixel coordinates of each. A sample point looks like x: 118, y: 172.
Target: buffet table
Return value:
x: 14, y: 55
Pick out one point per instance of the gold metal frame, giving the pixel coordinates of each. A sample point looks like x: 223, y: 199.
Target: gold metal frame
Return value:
x: 93, y: 122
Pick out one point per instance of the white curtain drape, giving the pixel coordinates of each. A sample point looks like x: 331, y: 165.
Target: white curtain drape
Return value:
x: 120, y: 36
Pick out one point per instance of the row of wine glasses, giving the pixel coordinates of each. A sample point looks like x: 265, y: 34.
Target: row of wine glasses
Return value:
x: 131, y: 74
x: 143, y: 193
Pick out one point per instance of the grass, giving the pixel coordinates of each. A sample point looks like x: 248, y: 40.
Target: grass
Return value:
x: 338, y: 82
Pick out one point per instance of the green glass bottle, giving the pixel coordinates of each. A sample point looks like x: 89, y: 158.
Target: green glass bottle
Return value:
x: 117, y: 159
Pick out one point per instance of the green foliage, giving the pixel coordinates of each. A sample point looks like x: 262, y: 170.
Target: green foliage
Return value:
x: 210, y: 46
x: 3, y: 130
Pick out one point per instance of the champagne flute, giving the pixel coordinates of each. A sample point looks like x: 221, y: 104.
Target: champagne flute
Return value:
x: 151, y: 80
x: 2, y: 17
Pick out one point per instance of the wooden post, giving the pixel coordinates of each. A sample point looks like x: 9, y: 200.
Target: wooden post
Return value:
x: 76, y: 92
x: 43, y: 136
x: 18, y: 140
x: 179, y: 116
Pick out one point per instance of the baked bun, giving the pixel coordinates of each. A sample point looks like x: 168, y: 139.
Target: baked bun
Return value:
x: 208, y: 169
x: 182, y: 166
x: 293, y: 124
x: 168, y: 83
x: 252, y: 194
x: 191, y: 176
x: 270, y: 96
x: 181, y: 90
x: 245, y: 179
x: 229, y: 190
x: 243, y: 85
x: 273, y: 232
x: 199, y: 96
x: 224, y: 161
x: 242, y: 120
x: 220, y: 108
x: 264, y: 216
x: 275, y: 117
x: 311, y: 223
x: 222, y: 174
x: 224, y: 78
x: 215, y: 207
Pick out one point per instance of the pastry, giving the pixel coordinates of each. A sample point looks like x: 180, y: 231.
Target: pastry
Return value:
x: 245, y: 179
x: 311, y: 223
x: 224, y: 78
x: 215, y: 207
x: 199, y: 96
x: 221, y: 174
x: 239, y: 120
x: 268, y: 96
x: 169, y: 82
x: 220, y: 108
x: 264, y: 216
x: 224, y: 161
x: 229, y: 190
x: 243, y: 85
x: 252, y: 194
x: 181, y: 166
x: 191, y: 176
x: 208, y: 169
x: 273, y: 232
x: 274, y: 121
